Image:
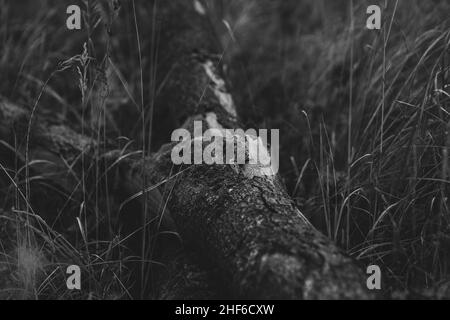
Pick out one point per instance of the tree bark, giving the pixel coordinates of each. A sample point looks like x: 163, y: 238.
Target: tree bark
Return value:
x: 188, y: 281
x: 239, y: 220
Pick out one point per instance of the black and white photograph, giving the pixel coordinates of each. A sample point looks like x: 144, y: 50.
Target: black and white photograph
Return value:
x: 217, y: 157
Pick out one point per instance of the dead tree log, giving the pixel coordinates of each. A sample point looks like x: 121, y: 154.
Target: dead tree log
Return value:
x: 238, y: 219
x: 188, y: 281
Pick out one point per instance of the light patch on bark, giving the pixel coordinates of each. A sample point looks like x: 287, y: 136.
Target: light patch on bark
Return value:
x: 211, y: 120
x: 259, y: 157
x: 199, y: 7
x: 225, y: 99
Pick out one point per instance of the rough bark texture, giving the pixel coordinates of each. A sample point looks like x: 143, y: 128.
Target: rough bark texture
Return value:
x: 188, y: 281
x: 241, y: 222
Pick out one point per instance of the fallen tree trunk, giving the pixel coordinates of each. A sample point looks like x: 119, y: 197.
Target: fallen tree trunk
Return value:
x: 188, y: 281
x: 239, y: 219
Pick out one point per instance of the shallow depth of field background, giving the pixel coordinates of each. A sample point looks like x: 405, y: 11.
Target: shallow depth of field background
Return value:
x: 363, y: 116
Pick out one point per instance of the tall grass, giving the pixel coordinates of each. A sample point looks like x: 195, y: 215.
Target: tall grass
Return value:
x: 86, y: 87
x: 365, y: 115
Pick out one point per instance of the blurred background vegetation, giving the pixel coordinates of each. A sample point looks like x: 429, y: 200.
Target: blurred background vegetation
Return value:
x: 363, y: 117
